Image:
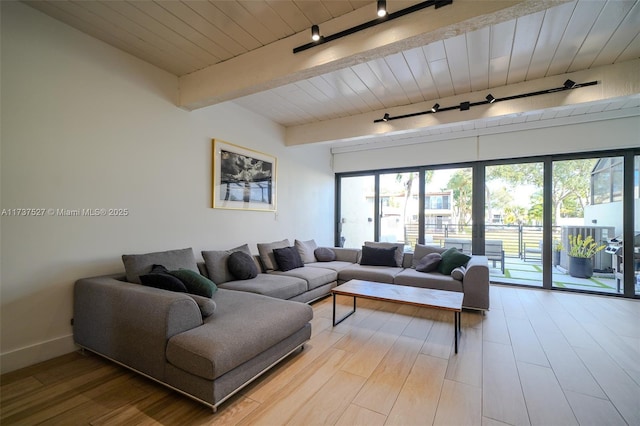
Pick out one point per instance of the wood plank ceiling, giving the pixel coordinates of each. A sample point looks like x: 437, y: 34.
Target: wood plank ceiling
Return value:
x: 185, y: 36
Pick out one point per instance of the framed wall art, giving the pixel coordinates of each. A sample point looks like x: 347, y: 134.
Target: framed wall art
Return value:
x: 243, y: 179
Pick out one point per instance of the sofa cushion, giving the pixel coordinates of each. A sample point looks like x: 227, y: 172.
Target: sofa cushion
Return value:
x: 140, y: 264
x: 434, y: 280
x: 287, y: 258
x: 242, y: 266
x: 315, y: 277
x: 244, y: 326
x: 429, y: 262
x: 378, y: 256
x: 160, y: 278
x: 306, y: 250
x: 195, y: 283
x: 269, y: 285
x: 451, y: 259
x: 216, y: 263
x: 381, y: 274
x: 324, y: 254
x: 266, y: 253
x: 336, y: 265
x: 399, y: 253
x: 422, y: 250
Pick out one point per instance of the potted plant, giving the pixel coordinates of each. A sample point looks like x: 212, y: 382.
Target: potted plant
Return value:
x: 557, y: 248
x: 581, y: 250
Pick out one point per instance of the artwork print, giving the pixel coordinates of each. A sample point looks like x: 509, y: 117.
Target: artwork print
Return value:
x: 243, y: 178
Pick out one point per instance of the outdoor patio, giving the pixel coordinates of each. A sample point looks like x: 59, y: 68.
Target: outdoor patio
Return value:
x: 517, y: 271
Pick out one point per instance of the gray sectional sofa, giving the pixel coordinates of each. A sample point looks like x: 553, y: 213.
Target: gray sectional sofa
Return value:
x: 210, y: 347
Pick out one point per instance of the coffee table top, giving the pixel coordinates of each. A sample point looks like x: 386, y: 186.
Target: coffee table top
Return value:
x: 424, y: 297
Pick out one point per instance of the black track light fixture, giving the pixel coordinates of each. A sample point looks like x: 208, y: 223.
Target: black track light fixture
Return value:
x: 315, y: 33
x: 382, y: 8
x: 464, y: 106
x: 383, y: 16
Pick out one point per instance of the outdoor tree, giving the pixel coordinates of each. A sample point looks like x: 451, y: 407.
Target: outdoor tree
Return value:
x: 570, y: 180
x: 461, y: 184
x: 407, y: 181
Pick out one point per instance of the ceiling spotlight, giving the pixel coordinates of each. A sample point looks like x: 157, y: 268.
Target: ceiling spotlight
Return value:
x: 386, y: 117
x: 570, y: 84
x: 382, y: 8
x: 315, y: 33
x: 464, y: 106
x: 435, y: 108
x: 490, y: 98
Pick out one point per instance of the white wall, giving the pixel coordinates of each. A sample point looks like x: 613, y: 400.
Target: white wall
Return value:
x: 85, y: 125
x: 591, y: 136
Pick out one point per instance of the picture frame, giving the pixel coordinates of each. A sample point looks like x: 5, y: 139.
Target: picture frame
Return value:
x: 243, y: 179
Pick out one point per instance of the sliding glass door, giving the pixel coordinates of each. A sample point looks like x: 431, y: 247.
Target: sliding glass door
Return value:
x: 513, y: 222
x: 357, y: 210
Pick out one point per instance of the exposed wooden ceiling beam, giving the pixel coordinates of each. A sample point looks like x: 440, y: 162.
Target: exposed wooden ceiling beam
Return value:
x: 275, y: 65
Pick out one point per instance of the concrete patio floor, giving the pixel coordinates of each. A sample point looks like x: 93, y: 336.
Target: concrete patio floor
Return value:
x: 529, y: 273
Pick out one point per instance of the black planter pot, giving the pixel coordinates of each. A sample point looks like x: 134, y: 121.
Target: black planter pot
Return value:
x: 580, y: 267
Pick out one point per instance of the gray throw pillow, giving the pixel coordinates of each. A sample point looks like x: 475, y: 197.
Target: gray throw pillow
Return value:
x: 422, y: 250
x: 429, y: 262
x: 324, y: 254
x: 242, y: 266
x: 216, y: 263
x: 206, y: 304
x: 458, y: 273
x: 306, y: 249
x: 140, y: 264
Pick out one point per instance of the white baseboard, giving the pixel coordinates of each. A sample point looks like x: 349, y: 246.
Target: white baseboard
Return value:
x: 24, y: 357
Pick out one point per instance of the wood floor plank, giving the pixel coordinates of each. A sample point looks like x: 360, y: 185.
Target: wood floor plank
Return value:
x: 460, y: 404
x: 381, y: 390
x: 440, y: 340
x: 543, y: 395
x: 330, y: 402
x: 418, y: 400
x: 358, y: 416
x: 591, y: 411
x: 622, y: 390
x: 494, y: 327
x: 526, y: 346
x: 502, y: 397
x: 466, y: 366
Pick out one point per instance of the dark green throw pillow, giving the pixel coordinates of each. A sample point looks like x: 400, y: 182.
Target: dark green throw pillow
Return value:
x: 195, y: 283
x: 451, y: 259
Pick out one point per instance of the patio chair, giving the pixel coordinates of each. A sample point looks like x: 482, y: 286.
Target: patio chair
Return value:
x: 536, y: 251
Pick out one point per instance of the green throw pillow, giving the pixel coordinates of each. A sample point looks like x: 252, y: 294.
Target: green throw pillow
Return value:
x: 451, y: 259
x: 195, y: 283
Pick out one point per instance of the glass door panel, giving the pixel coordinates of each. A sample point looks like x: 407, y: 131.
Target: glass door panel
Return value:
x: 447, y: 208
x: 587, y: 215
x: 399, y: 208
x: 513, y: 222
x: 636, y: 232
x: 357, y: 197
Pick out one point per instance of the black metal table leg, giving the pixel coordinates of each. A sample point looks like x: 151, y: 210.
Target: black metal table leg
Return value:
x: 344, y: 317
x: 456, y: 328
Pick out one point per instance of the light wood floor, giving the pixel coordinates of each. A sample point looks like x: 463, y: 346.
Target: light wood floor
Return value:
x: 538, y: 357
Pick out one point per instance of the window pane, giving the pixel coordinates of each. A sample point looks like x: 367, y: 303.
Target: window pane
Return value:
x: 356, y: 210
x: 398, y: 208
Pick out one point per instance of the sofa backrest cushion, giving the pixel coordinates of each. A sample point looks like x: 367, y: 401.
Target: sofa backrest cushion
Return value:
x: 324, y: 254
x: 140, y: 264
x: 399, y: 250
x: 216, y: 262
x: 266, y: 253
x: 422, y: 250
x: 306, y: 250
